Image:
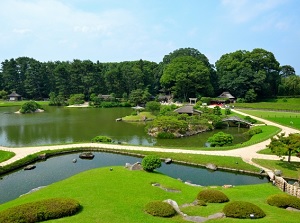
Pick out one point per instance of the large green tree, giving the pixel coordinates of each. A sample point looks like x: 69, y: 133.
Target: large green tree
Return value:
x: 186, y: 77
x: 285, y: 145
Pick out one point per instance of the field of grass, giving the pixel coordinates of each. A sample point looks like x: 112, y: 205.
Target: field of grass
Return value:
x: 290, y: 119
x: 19, y: 103
x: 4, y: 155
x: 139, y: 117
x: 120, y: 196
x: 289, y: 170
x: 292, y: 104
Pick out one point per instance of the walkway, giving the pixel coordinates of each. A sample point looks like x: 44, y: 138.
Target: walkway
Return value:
x: 246, y: 153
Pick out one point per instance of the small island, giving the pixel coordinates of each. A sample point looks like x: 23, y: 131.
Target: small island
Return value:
x: 30, y: 107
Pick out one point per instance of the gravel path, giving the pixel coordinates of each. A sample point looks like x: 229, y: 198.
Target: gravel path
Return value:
x: 246, y: 153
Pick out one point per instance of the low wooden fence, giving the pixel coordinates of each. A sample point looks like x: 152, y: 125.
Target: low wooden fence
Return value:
x: 293, y: 190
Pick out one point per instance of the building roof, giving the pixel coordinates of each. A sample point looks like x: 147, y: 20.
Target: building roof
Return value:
x: 14, y: 94
x: 187, y: 109
x: 226, y: 94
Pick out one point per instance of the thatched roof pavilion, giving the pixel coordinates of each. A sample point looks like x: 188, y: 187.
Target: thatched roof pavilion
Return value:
x: 188, y: 109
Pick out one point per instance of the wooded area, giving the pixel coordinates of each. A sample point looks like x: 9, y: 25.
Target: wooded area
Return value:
x: 183, y: 73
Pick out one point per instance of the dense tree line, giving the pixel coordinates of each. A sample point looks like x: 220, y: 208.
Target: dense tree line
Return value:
x: 183, y: 73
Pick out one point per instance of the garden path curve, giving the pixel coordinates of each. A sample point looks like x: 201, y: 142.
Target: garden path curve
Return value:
x: 246, y: 153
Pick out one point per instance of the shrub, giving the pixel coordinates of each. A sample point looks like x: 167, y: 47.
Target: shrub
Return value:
x: 40, y: 211
x: 251, y: 120
x: 220, y: 139
x: 160, y: 209
x: 212, y: 196
x: 165, y: 135
x: 76, y: 99
x: 243, y: 209
x: 254, y: 131
x: 201, y: 203
x: 284, y: 201
x: 151, y: 162
x: 101, y: 139
x: 29, y: 107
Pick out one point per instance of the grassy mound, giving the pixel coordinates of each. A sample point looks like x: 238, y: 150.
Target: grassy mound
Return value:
x: 40, y: 211
x: 160, y: 209
x: 284, y: 201
x: 212, y: 196
x: 243, y: 209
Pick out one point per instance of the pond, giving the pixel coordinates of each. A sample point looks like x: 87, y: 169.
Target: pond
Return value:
x: 59, y: 125
x: 61, y: 167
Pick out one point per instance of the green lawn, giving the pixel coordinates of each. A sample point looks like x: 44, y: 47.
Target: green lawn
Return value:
x: 120, y: 196
x: 139, y: 117
x: 4, y: 155
x: 19, y: 103
x: 289, y: 170
x: 291, y: 104
x: 290, y: 119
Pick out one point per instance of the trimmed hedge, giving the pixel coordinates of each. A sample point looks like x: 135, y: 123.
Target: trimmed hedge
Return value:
x: 253, y: 131
x: 101, y: 139
x: 160, y: 209
x: 243, y: 209
x: 151, y: 162
x: 284, y: 201
x: 212, y: 196
x: 40, y: 211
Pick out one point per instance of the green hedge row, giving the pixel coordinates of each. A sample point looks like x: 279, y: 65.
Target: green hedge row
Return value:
x: 284, y: 201
x: 40, y: 211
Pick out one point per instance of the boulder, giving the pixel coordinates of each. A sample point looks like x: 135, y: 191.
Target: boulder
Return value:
x: 278, y: 173
x: 136, y: 166
x: 211, y: 166
x: 168, y: 161
x: 87, y: 155
x: 29, y: 167
x: 42, y: 156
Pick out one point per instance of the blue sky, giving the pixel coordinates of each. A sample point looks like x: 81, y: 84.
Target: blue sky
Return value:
x: 125, y: 30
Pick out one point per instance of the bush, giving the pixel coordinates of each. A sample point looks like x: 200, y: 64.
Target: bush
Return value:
x: 151, y: 162
x: 220, y: 139
x: 165, y: 135
x: 249, y: 119
x: 40, y: 211
x: 76, y: 99
x: 29, y: 107
x: 201, y: 203
x: 212, y: 196
x: 101, y: 139
x: 254, y: 131
x: 284, y: 201
x: 243, y: 209
x: 160, y: 209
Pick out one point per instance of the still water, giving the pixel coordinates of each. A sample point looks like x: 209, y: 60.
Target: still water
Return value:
x: 58, y: 168
x: 59, y: 125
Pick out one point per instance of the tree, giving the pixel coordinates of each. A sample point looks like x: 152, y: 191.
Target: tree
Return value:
x: 139, y: 96
x: 186, y: 76
x: 220, y: 139
x: 282, y: 145
x: 286, y: 71
x: 250, y: 96
x: 151, y: 162
x: 153, y: 106
x: 76, y: 99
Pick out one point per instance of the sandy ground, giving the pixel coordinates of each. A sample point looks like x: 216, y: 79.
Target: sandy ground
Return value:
x: 246, y: 153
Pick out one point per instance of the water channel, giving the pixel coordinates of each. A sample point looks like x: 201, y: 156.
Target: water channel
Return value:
x: 61, y: 167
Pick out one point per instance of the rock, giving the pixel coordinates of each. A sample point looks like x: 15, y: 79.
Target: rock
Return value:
x: 227, y: 186
x: 211, y: 166
x: 292, y: 209
x: 74, y: 160
x: 42, y: 156
x: 87, y: 155
x: 29, y: 167
x: 278, y: 173
x: 136, y: 166
x: 174, y: 205
x: 296, y: 184
x: 168, y: 161
x: 127, y: 165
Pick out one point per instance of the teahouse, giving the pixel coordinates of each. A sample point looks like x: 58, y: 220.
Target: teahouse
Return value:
x: 14, y: 96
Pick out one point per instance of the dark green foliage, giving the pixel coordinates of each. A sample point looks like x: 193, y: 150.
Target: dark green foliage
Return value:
x: 58, y: 100
x: 212, y: 196
x: 217, y: 110
x: 40, y: 211
x: 165, y: 135
x: 201, y: 203
x: 153, y: 106
x: 29, y: 107
x: 243, y: 209
x: 227, y: 111
x: 251, y: 120
x: 284, y: 201
x: 101, y: 139
x: 254, y: 131
x: 76, y: 99
x: 220, y: 139
x: 160, y: 209
x: 151, y: 162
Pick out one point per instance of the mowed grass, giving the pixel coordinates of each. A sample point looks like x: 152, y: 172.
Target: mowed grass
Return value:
x: 5, y: 155
x: 289, y: 170
x: 292, y: 104
x: 120, y: 196
x: 290, y: 119
x: 139, y: 117
x: 19, y: 103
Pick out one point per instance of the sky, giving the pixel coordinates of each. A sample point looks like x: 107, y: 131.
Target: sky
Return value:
x: 127, y: 30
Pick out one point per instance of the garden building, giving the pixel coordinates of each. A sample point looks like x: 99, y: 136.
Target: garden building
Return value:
x: 14, y: 96
x: 188, y: 109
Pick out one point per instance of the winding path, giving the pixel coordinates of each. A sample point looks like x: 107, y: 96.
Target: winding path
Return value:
x: 246, y: 153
